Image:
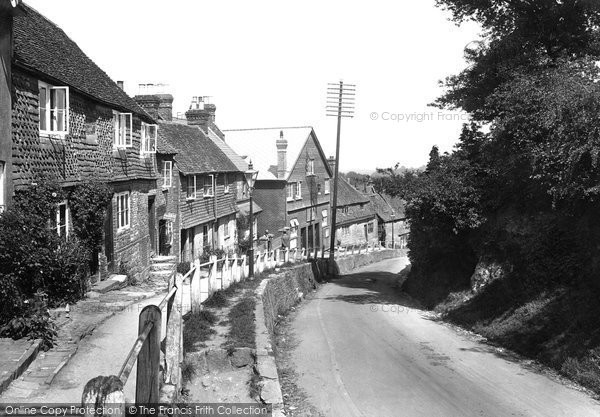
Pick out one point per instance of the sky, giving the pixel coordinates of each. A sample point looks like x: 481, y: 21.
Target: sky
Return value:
x: 267, y: 64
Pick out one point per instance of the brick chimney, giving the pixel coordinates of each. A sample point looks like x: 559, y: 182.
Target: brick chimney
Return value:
x: 282, y: 145
x: 157, y: 105
x: 201, y: 113
x: 331, y: 163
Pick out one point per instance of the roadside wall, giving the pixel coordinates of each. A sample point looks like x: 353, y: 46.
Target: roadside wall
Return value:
x: 277, y: 294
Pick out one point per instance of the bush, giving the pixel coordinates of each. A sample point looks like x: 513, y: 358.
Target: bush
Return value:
x: 184, y: 267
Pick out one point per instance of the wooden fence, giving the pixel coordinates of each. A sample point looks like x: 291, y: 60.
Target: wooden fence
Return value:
x: 161, y: 381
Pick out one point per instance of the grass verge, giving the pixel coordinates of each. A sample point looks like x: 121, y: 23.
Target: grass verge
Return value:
x: 197, y: 329
x: 241, y: 321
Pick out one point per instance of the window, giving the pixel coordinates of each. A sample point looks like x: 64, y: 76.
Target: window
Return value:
x: 327, y: 186
x: 225, y: 183
x: 291, y: 191
x: 62, y: 219
x: 370, y: 228
x: 54, y: 109
x: 149, y: 136
x: 122, y: 123
x: 324, y: 213
x: 123, y: 209
x: 167, y: 173
x: 169, y: 232
x: 299, y: 189
x: 226, y: 230
x: 319, y: 188
x: 209, y: 189
x: 311, y: 214
x: 310, y: 167
x: 191, y: 187
x: 204, y: 236
x: 346, y: 230
x: 345, y: 210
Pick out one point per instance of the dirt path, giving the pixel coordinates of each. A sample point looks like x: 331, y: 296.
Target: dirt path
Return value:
x: 364, y: 351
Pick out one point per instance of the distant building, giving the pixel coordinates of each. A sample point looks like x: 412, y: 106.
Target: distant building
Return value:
x: 293, y: 186
x: 356, y: 217
x: 393, y: 225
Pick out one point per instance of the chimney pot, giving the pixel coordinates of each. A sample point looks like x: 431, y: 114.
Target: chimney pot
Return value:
x: 281, y: 145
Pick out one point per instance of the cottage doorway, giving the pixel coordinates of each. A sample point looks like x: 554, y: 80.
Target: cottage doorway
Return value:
x: 109, y: 248
x: 165, y: 238
x: 303, y: 238
x: 318, y: 236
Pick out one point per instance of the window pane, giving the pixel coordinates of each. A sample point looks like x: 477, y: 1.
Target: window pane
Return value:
x: 43, y: 109
x: 60, y: 120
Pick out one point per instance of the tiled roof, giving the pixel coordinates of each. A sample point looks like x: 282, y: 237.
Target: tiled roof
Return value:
x: 237, y: 160
x: 259, y: 146
x: 348, y: 195
x: 384, y: 205
x: 42, y: 46
x: 195, y: 153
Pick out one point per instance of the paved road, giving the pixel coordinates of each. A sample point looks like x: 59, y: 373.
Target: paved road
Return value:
x: 361, y: 352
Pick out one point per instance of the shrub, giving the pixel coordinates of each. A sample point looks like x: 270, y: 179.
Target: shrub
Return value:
x: 183, y: 267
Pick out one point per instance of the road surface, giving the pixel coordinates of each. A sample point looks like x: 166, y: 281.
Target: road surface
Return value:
x: 362, y: 352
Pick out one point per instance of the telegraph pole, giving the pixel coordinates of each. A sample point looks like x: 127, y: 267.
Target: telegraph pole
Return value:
x: 340, y: 103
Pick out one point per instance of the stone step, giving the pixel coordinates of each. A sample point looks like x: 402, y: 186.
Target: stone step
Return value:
x: 160, y: 275
x: 163, y: 266
x: 163, y: 259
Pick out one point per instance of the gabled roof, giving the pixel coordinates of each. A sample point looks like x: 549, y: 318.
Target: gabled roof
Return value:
x: 195, y: 153
x: 237, y: 160
x: 259, y: 146
x: 41, y: 46
x: 348, y: 195
x: 384, y: 205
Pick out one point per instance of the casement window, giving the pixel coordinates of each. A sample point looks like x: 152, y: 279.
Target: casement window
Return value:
x: 299, y: 190
x: 311, y: 214
x: 370, y: 228
x: 191, y: 187
x: 167, y: 173
x: 291, y: 189
x: 345, y: 210
x: 319, y: 188
x: 123, y: 211
x: 123, y: 128
x: 54, y: 109
x: 209, y: 186
x: 62, y: 219
x: 149, y: 138
x: 327, y: 185
x: 310, y: 167
x: 225, y: 183
x: 324, y: 213
x: 346, y: 230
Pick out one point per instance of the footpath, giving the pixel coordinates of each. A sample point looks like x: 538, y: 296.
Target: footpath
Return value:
x: 27, y: 374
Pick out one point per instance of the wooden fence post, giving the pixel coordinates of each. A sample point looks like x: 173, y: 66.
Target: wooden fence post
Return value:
x: 148, y: 361
x: 196, y: 288
x: 172, y: 348
x: 103, y: 392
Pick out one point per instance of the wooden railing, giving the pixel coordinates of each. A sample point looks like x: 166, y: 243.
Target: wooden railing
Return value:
x: 154, y: 386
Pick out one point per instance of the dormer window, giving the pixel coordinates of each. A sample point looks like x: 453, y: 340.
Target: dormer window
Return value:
x: 191, y: 187
x: 149, y: 137
x: 54, y: 109
x: 122, y: 123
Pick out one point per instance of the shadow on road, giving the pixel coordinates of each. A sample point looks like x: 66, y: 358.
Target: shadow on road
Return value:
x: 373, y: 288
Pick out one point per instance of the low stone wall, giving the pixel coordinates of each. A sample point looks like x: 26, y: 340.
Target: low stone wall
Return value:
x: 281, y: 291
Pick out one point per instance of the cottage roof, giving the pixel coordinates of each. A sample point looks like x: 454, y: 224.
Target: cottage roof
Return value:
x: 237, y: 160
x: 195, y: 153
x: 259, y: 146
x: 348, y: 195
x: 41, y: 46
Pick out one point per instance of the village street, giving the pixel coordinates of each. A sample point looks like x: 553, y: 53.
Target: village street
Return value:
x: 363, y: 351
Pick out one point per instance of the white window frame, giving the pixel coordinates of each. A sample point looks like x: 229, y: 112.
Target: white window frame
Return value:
x: 125, y: 223
x: 123, y: 137
x: 212, y: 186
x: 310, y: 167
x: 51, y: 113
x: 58, y: 224
x: 167, y: 174
x: 299, y: 190
x: 327, y: 186
x: 324, y: 214
x: 191, y: 180
x: 226, y: 184
x: 291, y: 191
x: 149, y: 142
